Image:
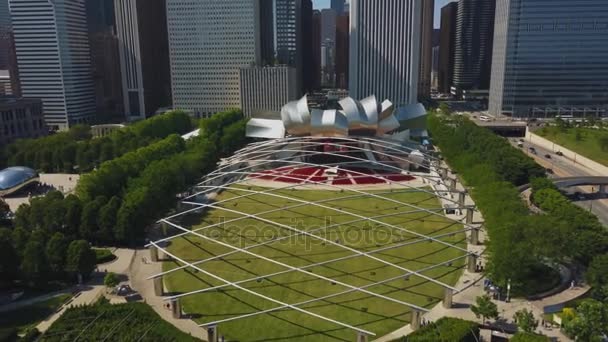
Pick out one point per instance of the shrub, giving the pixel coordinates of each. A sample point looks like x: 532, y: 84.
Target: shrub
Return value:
x: 446, y: 329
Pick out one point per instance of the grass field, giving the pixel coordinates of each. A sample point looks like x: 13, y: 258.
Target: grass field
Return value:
x: 588, y: 144
x: 29, y: 316
x: 362, y: 310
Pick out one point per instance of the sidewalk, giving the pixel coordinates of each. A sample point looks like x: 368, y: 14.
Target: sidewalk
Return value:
x: 138, y: 273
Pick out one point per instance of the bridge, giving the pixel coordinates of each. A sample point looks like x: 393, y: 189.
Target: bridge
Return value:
x: 566, y: 182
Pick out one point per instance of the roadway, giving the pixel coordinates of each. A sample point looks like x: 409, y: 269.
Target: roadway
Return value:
x: 584, y: 196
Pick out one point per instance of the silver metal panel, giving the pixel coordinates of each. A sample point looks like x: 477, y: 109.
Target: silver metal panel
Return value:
x: 370, y: 109
x: 411, y: 111
x: 296, y: 117
x: 265, y: 128
x: 387, y: 125
x: 386, y: 109
x: 328, y: 123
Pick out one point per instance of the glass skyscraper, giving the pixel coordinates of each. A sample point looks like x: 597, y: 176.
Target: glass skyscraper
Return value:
x: 550, y: 58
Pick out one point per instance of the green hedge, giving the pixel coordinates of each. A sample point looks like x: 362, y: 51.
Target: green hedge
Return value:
x: 121, y: 322
x: 76, y: 151
x: 492, y: 168
x: 104, y: 255
x: 446, y: 329
x: 527, y: 337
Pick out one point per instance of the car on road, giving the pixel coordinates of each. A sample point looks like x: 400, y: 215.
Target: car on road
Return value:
x: 559, y: 153
x: 521, y: 140
x: 549, y: 171
x: 532, y: 150
x: 520, y: 144
x: 548, y: 156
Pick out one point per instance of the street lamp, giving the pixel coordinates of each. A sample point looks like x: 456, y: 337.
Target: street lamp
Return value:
x: 508, y: 299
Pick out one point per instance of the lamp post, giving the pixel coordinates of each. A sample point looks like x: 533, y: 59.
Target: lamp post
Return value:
x: 508, y: 299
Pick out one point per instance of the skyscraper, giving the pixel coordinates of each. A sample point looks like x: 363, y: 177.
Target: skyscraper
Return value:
x: 308, y: 67
x: 316, y: 50
x: 144, y: 56
x: 447, y: 38
x: 266, y: 13
x: 338, y: 6
x: 385, y: 49
x: 426, y: 46
x: 550, y: 57
x: 267, y: 89
x: 342, y: 46
x: 473, y: 52
x: 209, y: 41
x: 105, y: 61
x: 5, y: 23
x: 328, y: 47
x: 58, y: 71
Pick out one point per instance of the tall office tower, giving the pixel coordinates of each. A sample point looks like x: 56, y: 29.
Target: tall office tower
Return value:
x: 5, y: 24
x: 59, y: 71
x: 144, y: 56
x: 288, y: 31
x: 447, y: 39
x: 209, y: 41
x: 342, y: 44
x: 308, y: 69
x: 105, y: 61
x: 316, y: 50
x: 267, y: 89
x: 385, y: 49
x: 474, y: 36
x: 267, y: 52
x: 426, y: 46
x: 435, y: 69
x: 338, y: 6
x: 328, y: 47
x: 550, y: 57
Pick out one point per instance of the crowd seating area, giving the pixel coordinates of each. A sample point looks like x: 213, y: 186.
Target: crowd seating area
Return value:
x: 344, y: 176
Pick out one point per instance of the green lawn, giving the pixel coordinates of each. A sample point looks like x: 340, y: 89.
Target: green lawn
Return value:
x: 29, y: 316
x: 362, y: 310
x: 588, y: 144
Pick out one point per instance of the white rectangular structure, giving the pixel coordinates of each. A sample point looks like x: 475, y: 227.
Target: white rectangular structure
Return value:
x: 53, y: 56
x: 267, y: 89
x: 385, y: 49
x: 209, y: 41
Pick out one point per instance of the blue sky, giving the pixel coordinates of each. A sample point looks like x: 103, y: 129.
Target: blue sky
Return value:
x: 438, y: 5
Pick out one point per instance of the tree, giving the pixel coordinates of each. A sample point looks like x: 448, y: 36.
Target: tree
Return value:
x: 597, y: 272
x: 20, y: 237
x: 525, y: 320
x: 34, y: 264
x: 73, y: 213
x: 603, y: 142
x: 4, y: 210
x: 88, y: 220
x: 578, y: 136
x: 9, y: 259
x: 80, y: 259
x: 590, y: 321
x: 445, y: 109
x: 56, y: 252
x: 484, y: 308
x: 106, y: 220
x: 110, y: 280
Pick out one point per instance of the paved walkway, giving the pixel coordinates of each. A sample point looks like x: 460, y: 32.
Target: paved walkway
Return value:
x: 141, y: 270
x: 94, y: 288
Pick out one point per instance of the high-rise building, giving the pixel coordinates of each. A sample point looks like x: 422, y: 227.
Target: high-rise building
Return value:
x: 105, y: 61
x: 342, y: 47
x: 5, y: 24
x: 267, y: 50
x: 338, y: 6
x: 435, y: 69
x: 210, y: 41
x: 20, y: 118
x: 328, y: 47
x: 288, y: 31
x: 267, y: 89
x: 58, y: 71
x: 144, y: 56
x: 426, y: 46
x: 550, y: 57
x: 447, y: 39
x: 316, y: 51
x: 473, y: 52
x: 385, y: 49
x: 308, y: 67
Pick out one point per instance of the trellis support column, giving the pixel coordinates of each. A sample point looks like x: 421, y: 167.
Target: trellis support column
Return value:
x: 416, y: 319
x: 461, y: 198
x: 469, y: 219
x: 474, y: 236
x: 447, y: 298
x: 472, y: 263
x: 153, y: 254
x: 212, y: 333
x: 362, y: 337
x: 176, y: 308
x: 158, y: 286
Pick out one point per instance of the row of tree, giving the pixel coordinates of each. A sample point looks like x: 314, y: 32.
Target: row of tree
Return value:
x: 75, y: 151
x: 520, y: 241
x: 37, y: 257
x: 115, y: 203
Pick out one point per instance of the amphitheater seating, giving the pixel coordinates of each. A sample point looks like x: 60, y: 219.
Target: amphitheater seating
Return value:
x: 345, y: 176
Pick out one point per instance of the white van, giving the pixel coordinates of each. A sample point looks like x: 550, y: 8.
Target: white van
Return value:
x: 484, y: 118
